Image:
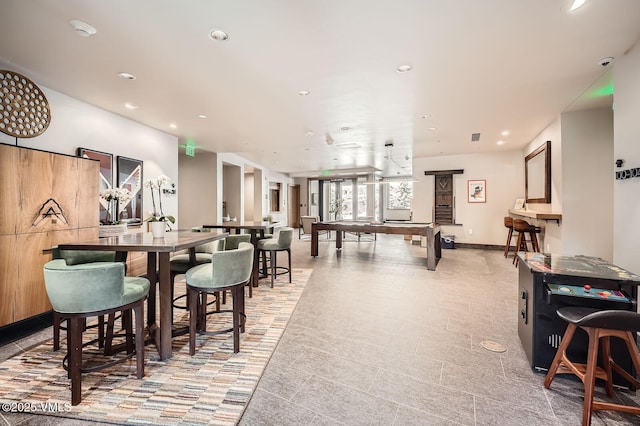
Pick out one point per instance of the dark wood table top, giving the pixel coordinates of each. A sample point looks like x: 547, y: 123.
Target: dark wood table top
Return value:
x: 144, y: 242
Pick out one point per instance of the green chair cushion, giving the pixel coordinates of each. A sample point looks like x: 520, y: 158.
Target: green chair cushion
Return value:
x: 283, y: 242
x: 91, y: 287
x: 180, y: 262
x: 233, y: 241
x: 78, y: 257
x: 227, y: 268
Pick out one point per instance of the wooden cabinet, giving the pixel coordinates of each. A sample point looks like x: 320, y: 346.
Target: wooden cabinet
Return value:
x: 45, y: 199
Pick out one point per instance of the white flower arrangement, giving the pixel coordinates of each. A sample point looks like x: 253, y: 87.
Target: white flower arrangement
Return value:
x: 153, y: 184
x: 115, y: 197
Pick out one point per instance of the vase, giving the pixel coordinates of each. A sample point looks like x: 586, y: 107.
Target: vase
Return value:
x: 158, y: 229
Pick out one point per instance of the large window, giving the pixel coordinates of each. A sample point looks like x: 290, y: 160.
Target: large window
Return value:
x: 400, y: 195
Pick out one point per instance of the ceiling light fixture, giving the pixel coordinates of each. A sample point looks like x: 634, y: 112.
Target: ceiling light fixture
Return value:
x: 130, y: 106
x: 505, y: 133
x: 577, y: 4
x: 82, y: 28
x: 500, y: 143
x: 309, y: 132
x: 304, y: 93
x: 173, y: 126
x: 426, y: 116
x: 202, y: 116
x: 218, y: 35
x: 404, y: 68
x: 127, y: 76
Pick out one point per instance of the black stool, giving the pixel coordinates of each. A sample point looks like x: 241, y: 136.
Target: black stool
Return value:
x: 598, y: 325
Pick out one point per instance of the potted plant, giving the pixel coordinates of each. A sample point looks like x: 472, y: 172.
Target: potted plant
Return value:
x: 114, y: 197
x: 158, y: 220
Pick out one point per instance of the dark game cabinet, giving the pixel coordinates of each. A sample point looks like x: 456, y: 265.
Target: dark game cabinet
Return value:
x: 548, y: 282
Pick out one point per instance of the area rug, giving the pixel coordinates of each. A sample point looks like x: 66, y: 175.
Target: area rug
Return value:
x: 211, y: 387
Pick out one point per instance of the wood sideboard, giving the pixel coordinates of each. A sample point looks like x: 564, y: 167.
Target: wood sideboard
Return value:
x: 45, y: 199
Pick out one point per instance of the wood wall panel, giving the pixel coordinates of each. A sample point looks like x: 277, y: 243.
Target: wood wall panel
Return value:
x: 29, y: 179
x: 88, y: 217
x: 8, y: 277
x: 31, y: 297
x: 9, y: 195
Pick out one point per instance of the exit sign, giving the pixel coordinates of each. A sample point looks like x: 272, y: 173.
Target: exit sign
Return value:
x: 190, y: 150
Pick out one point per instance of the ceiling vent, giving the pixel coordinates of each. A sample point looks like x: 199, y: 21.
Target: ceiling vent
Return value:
x: 475, y: 137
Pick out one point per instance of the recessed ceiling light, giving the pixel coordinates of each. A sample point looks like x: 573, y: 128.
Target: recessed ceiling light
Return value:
x: 432, y: 129
x: 127, y: 76
x: 202, y: 116
x: 82, y: 28
x: 309, y: 132
x: 345, y: 128
x: 218, y: 35
x: 500, y: 143
x: 505, y: 133
x: 173, y: 126
x: 404, y: 68
x: 426, y: 116
x: 577, y: 4
x: 130, y: 106
x: 303, y: 93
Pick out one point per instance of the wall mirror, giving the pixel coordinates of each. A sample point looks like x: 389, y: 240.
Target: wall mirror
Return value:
x: 537, y: 175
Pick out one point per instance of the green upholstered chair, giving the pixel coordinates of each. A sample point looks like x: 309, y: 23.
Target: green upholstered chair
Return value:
x: 273, y: 246
x: 76, y: 257
x: 228, y: 270
x: 180, y: 264
x: 233, y: 241
x: 82, y: 290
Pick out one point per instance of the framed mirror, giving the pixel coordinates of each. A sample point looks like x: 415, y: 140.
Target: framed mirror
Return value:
x: 537, y: 175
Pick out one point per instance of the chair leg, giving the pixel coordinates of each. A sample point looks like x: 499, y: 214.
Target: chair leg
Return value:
x: 237, y: 292
x: 74, y: 336
x: 57, y: 319
x: 607, y: 361
x: 192, y: 295
x: 289, y: 254
x: 272, y: 254
x: 508, y: 244
x: 128, y: 330
x: 590, y: 375
x: 560, y: 353
x: 109, y: 337
x: 139, y: 312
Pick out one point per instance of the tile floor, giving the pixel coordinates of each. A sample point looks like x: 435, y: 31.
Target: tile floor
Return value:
x: 378, y: 339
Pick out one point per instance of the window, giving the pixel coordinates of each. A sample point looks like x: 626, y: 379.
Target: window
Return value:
x: 400, y: 195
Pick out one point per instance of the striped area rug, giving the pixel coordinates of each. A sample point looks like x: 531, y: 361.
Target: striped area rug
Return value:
x: 212, y: 387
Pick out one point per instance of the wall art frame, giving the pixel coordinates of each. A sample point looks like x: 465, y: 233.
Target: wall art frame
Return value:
x: 106, y: 176
x: 477, y: 191
x: 130, y: 177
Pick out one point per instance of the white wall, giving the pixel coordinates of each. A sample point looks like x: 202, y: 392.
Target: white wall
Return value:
x: 551, y: 236
x: 504, y: 173
x: 197, y: 193
x: 626, y: 193
x: 587, y: 184
x: 77, y: 124
x: 248, y: 197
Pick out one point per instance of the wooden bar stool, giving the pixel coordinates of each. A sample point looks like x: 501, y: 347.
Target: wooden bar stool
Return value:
x: 508, y: 223
x: 522, y: 227
x: 598, y: 325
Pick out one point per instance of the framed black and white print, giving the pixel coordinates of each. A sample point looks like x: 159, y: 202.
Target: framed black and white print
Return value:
x: 130, y: 177
x: 106, y: 176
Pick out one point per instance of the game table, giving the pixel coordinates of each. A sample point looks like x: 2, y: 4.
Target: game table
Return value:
x: 429, y: 230
x: 547, y: 282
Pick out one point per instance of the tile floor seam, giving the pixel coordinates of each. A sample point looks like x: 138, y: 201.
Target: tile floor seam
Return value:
x: 475, y: 410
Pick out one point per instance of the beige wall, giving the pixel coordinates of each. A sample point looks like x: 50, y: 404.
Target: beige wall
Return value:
x: 626, y: 193
x: 197, y: 192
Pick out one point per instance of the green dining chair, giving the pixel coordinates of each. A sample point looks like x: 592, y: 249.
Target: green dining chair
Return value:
x: 80, y: 290
x: 273, y: 246
x: 228, y: 270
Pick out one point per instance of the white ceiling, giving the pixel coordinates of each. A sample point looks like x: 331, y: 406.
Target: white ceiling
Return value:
x: 479, y: 66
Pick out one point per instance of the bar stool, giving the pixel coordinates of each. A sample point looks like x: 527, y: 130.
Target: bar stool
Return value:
x: 522, y: 227
x: 598, y: 325
x: 508, y: 223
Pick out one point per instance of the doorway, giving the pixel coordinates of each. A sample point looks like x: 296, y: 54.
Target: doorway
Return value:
x: 294, y: 206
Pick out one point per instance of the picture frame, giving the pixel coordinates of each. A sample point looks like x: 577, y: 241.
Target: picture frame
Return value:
x: 477, y: 191
x: 106, y: 176
x: 130, y: 177
x: 519, y: 205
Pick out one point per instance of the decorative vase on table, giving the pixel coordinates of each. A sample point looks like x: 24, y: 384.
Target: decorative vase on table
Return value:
x: 158, y: 229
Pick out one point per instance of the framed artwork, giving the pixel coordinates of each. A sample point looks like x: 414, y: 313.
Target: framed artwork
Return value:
x: 477, y: 191
x: 519, y: 205
x: 106, y: 175
x: 130, y: 177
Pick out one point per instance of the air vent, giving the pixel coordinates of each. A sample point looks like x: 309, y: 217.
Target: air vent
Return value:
x: 475, y: 137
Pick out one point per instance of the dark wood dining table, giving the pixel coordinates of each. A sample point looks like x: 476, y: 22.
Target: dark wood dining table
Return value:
x: 158, y: 252
x: 254, y: 228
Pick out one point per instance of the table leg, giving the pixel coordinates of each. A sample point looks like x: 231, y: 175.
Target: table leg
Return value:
x: 256, y: 260
x: 339, y: 239
x: 314, y: 241
x: 152, y: 276
x: 166, y: 311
